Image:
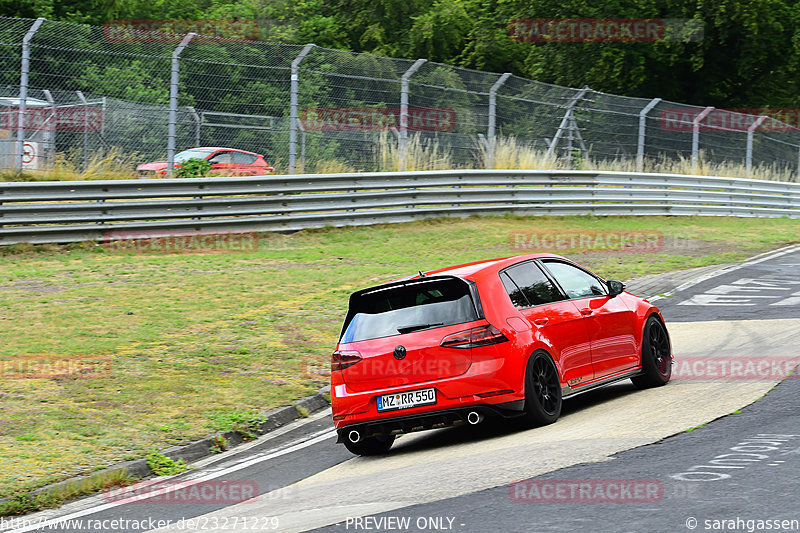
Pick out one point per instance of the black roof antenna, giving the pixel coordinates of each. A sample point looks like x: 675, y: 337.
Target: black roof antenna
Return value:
x: 421, y: 274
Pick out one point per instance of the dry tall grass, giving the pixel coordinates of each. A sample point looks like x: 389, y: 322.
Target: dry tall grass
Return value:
x: 511, y: 153
x: 113, y: 164
x: 427, y: 154
x: 421, y: 154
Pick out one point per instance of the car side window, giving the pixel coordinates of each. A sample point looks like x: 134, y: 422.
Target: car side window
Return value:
x: 527, y: 286
x: 222, y: 158
x: 575, y: 282
x: 240, y: 158
x: 517, y: 298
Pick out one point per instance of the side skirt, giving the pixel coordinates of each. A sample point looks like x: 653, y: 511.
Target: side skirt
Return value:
x: 567, y: 392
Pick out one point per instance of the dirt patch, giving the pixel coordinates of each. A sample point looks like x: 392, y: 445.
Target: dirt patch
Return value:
x: 34, y: 286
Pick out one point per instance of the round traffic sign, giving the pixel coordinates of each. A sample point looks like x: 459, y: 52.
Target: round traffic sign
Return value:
x: 28, y: 153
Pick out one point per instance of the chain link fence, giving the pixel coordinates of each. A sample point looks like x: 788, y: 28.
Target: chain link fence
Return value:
x: 78, y: 94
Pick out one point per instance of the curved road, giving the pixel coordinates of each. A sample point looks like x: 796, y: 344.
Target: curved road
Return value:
x: 611, y: 463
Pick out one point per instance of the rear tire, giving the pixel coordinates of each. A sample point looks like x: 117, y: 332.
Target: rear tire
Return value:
x: 371, y: 445
x: 542, y: 391
x: 656, y: 356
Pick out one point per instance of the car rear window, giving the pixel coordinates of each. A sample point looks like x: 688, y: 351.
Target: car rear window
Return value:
x: 240, y: 158
x: 192, y: 154
x: 384, y: 312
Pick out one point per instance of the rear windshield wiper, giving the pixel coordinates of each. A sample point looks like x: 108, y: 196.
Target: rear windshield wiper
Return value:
x: 416, y: 327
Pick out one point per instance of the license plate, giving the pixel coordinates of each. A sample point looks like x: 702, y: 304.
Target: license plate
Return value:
x: 406, y: 400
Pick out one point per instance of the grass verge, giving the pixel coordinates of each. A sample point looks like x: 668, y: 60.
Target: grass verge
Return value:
x: 196, y: 343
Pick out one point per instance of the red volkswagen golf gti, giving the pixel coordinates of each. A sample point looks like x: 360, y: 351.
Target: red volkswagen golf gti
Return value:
x: 507, y: 337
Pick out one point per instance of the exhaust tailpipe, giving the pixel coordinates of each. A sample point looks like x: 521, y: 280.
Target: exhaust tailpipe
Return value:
x: 354, y: 436
x: 474, y: 418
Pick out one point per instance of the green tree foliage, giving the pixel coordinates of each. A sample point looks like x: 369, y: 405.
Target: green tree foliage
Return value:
x: 749, y: 55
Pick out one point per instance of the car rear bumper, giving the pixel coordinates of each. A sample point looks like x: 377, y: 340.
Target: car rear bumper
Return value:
x: 438, y: 418
x: 452, y: 395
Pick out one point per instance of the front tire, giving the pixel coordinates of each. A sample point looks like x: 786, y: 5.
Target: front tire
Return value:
x: 656, y: 356
x: 542, y: 391
x: 377, y: 445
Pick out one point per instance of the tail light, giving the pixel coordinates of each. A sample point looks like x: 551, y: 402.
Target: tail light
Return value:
x: 342, y: 359
x: 472, y: 338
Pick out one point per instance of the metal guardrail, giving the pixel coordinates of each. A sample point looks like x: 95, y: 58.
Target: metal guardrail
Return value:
x: 70, y: 211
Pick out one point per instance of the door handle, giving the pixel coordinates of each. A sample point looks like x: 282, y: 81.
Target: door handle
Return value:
x: 586, y: 312
x: 541, y: 321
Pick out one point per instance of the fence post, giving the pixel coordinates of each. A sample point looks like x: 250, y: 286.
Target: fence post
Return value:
x: 85, y: 148
x: 696, y: 134
x: 50, y: 139
x: 642, y: 123
x: 293, y: 117
x: 302, y: 146
x: 493, y: 116
x: 749, y: 156
x: 404, y: 109
x: 173, y: 100
x: 23, y: 87
x: 566, y: 120
x: 197, y: 124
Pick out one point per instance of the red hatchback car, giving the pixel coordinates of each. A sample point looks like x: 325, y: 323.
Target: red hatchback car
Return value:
x: 224, y: 162
x: 506, y: 337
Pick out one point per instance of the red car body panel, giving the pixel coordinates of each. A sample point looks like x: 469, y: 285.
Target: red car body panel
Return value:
x: 591, y: 340
x: 258, y: 167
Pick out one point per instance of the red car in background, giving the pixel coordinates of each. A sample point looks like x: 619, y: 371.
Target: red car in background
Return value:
x: 224, y: 162
x: 506, y: 337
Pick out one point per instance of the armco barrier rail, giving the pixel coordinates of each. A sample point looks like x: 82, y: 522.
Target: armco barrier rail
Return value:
x: 47, y: 212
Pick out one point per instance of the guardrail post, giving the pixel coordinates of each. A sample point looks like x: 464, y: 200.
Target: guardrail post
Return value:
x: 173, y: 100
x: 293, y: 116
x: 404, y: 109
x: 749, y: 156
x: 566, y: 121
x: 642, y: 128
x: 696, y: 135
x: 23, y: 87
x: 493, y: 116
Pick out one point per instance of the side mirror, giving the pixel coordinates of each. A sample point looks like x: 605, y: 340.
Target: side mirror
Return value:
x: 615, y: 287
